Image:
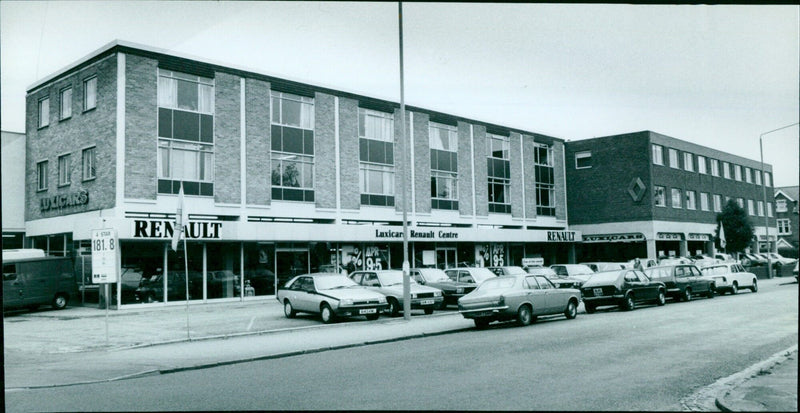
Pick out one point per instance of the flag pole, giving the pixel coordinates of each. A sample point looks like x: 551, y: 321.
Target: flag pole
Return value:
x: 186, y: 276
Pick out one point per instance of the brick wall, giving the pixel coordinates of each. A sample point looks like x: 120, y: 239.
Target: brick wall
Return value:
x: 515, y: 189
x: 530, y: 175
x: 141, y: 126
x: 227, y: 138
x: 464, y: 169
x: 324, y: 151
x: 560, y: 184
x: 70, y: 136
x: 348, y: 154
x: 422, y: 163
x: 257, y: 141
x: 481, y: 183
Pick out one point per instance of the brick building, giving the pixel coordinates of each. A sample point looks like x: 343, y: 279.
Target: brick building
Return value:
x: 648, y: 195
x: 280, y: 177
x: 786, y: 213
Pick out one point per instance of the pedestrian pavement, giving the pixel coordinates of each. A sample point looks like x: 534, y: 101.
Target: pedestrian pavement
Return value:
x: 78, y: 345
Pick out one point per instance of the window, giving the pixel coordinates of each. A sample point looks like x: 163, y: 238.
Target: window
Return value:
x: 717, y: 203
x: 714, y: 167
x: 769, y: 209
x: 583, y: 160
x: 673, y: 158
x: 740, y: 201
x: 659, y: 196
x: 41, y: 173
x: 497, y: 146
x: 292, y: 147
x: 63, y: 170
x: 761, y: 208
x: 88, y: 159
x: 443, y: 141
x: 544, y: 180
x: 66, y: 103
x: 701, y: 164
x: 499, y: 200
x: 757, y: 173
x: 690, y: 200
x: 658, y: 155
x: 737, y: 172
x: 748, y: 175
x: 704, y: 201
x: 688, y: 162
x: 44, y: 112
x: 186, y: 133
x: 376, y: 157
x: 90, y: 93
x: 726, y: 170
x: 751, y: 210
x: 292, y: 177
x: 784, y: 227
x: 780, y: 205
x: 767, y: 179
x: 676, y: 198
x: 499, y: 172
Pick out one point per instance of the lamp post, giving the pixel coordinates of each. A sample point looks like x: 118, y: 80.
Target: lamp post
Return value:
x: 764, y: 187
x: 404, y: 147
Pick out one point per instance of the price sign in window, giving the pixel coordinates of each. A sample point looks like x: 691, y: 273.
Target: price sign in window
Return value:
x: 105, y: 256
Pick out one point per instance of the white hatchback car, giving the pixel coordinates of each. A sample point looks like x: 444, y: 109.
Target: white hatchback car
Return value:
x: 730, y: 277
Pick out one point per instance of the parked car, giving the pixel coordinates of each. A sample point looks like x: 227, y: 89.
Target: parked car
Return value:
x: 471, y: 275
x: 778, y: 260
x: 606, y: 266
x: 34, y: 281
x: 730, y: 277
x: 520, y: 297
x: 622, y: 288
x: 703, y: 260
x: 151, y: 288
x: 451, y: 290
x: 722, y: 257
x: 683, y: 281
x: 674, y: 260
x: 578, y: 271
x: 331, y: 296
x: 646, y: 263
x: 390, y: 284
x: 507, y: 270
x: 130, y: 278
x: 752, y: 260
x: 560, y: 281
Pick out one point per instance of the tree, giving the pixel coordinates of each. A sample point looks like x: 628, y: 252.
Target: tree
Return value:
x: 738, y: 229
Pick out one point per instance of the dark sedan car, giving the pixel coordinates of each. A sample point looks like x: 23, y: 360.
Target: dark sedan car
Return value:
x: 623, y: 288
x: 683, y: 281
x: 434, y: 277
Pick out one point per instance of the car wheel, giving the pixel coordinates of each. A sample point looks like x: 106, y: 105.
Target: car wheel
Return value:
x: 572, y: 310
x: 754, y: 288
x: 629, y: 303
x: 590, y: 308
x: 481, y: 323
x: 326, y: 313
x: 734, y: 288
x: 662, y: 299
x: 524, y: 315
x: 60, y: 301
x: 687, y: 295
x: 373, y: 317
x: 394, y: 307
x: 429, y: 311
x: 710, y: 293
x: 288, y: 310
x: 150, y: 298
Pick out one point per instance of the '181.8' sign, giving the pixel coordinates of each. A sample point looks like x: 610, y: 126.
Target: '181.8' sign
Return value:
x: 105, y: 256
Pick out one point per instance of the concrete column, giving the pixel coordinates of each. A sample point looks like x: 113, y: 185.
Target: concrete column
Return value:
x: 683, y: 248
x: 651, y: 249
x: 571, y: 254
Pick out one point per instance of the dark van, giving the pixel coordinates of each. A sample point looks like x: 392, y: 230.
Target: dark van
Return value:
x: 31, y: 282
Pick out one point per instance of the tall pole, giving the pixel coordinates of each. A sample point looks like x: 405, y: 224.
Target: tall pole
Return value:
x: 404, y: 147
x: 764, y: 186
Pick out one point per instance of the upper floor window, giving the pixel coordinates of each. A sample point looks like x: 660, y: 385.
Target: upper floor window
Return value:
x: 498, y: 146
x: 63, y: 170
x: 443, y: 137
x: 757, y: 173
x: 583, y: 160
x: 292, y: 177
x: 375, y: 125
x: 376, y: 157
x: 443, y: 141
x: 761, y: 208
x: 688, y: 162
x: 701, y: 164
x: 183, y: 91
x: 714, y: 167
x: 44, y: 112
x: 88, y: 160
x: 185, y: 161
x: 717, y: 203
x: 737, y: 172
x: 676, y: 198
x: 780, y: 205
x: 769, y: 209
x: 66, y: 103
x: 784, y: 227
x: 704, y: 201
x: 691, y: 202
x: 499, y: 172
x: 748, y: 175
x: 726, y: 170
x: 767, y: 179
x: 751, y: 210
x: 544, y: 179
x: 90, y: 93
x: 673, y: 158
x: 659, y: 196
x: 740, y: 201
x: 658, y: 154
x: 292, y: 110
x: 41, y: 176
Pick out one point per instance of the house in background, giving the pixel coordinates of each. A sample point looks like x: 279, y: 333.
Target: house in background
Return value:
x: 13, y: 189
x: 787, y: 219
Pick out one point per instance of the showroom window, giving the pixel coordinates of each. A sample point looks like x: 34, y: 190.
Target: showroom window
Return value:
x: 376, y: 157
x: 443, y: 140
x: 659, y: 196
x: 676, y: 198
x: 292, y: 147
x: 658, y: 154
x: 583, y: 160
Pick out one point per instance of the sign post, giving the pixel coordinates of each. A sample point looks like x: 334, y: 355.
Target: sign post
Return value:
x: 105, y: 261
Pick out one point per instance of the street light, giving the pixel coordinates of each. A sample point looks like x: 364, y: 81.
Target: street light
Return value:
x: 764, y: 186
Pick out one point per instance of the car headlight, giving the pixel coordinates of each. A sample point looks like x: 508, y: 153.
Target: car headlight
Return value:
x: 382, y: 300
x: 437, y: 293
x: 459, y: 290
x: 346, y: 301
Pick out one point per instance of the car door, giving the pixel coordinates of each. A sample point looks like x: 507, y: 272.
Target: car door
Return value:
x: 631, y: 282
x: 648, y: 289
x: 555, y: 298
x: 698, y: 283
x: 299, y: 294
x: 535, y: 294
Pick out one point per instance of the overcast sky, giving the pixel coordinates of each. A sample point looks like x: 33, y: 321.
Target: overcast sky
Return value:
x: 718, y: 76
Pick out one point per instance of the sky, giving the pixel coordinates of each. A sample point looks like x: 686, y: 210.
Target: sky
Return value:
x: 716, y: 75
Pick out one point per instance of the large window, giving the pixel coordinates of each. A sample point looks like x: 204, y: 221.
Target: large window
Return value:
x: 88, y: 160
x: 691, y: 202
x: 717, y: 203
x: 751, y: 210
x: 760, y: 208
x: 292, y: 147
x: 65, y: 102
x: 714, y: 167
x: 63, y: 170
x: 659, y: 196
x: 676, y: 198
x: 443, y: 141
x: 701, y: 164
x: 498, y: 173
x: 688, y: 162
x: 41, y: 176
x: 90, y: 93
x: 658, y: 154
x: 784, y: 227
x: 757, y: 173
x: 740, y: 201
x: 704, y: 201
x: 44, y: 112
x: 726, y: 170
x: 186, y: 133
x: 673, y: 158
x: 748, y: 175
x: 376, y: 157
x: 292, y: 177
x: 292, y: 110
x: 737, y: 172
x: 767, y: 179
x: 769, y: 209
x: 545, y: 180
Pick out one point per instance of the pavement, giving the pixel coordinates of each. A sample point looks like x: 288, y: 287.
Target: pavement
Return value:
x: 79, y: 345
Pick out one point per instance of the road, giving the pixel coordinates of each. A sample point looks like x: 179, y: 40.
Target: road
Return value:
x: 647, y: 359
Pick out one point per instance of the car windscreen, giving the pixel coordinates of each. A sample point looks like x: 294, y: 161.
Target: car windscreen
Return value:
x: 606, y: 277
x: 482, y: 274
x: 497, y: 282
x: 330, y: 282
x: 392, y: 278
x: 435, y: 275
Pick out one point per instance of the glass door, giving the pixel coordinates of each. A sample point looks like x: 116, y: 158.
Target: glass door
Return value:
x: 289, y: 263
x: 445, y: 258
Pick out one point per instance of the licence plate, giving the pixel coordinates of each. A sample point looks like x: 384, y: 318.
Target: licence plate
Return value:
x: 426, y: 302
x: 367, y: 311
x: 597, y: 292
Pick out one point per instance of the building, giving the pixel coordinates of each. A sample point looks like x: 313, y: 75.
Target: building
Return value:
x: 280, y: 177
x: 13, y: 189
x: 648, y: 195
x: 787, y: 220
